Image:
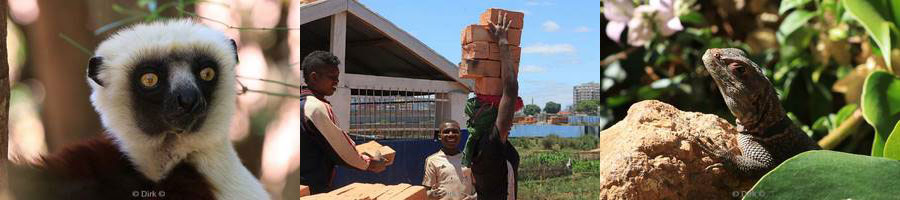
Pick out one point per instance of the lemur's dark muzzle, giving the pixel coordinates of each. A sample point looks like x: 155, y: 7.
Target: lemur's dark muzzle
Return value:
x: 189, y: 100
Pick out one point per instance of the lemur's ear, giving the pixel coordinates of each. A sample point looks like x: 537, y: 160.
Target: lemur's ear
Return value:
x: 94, y: 69
x: 234, y: 45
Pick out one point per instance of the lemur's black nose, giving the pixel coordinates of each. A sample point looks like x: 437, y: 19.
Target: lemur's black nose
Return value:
x: 189, y: 100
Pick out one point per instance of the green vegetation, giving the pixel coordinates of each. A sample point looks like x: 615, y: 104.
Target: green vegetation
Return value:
x: 543, y: 173
x: 531, y: 109
x: 551, y: 107
x: 587, y: 106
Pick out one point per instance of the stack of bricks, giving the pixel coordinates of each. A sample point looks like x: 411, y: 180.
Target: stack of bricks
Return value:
x: 363, y: 191
x: 481, y: 54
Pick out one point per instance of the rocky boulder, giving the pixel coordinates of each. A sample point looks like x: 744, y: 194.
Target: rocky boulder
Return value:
x: 650, y: 155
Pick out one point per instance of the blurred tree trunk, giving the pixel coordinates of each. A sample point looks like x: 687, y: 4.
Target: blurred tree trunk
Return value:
x: 4, y: 98
x: 60, y: 66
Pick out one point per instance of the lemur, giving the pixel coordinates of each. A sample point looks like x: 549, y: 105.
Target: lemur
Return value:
x: 165, y: 92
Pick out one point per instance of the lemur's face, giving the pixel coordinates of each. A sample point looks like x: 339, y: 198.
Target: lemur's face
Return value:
x: 172, y: 92
x: 165, y: 78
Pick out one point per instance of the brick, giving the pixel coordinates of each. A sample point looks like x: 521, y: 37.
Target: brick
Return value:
x: 479, y: 50
x: 514, y: 51
x: 488, y: 86
x: 393, y: 190
x: 514, y: 37
x: 411, y: 193
x: 474, y: 33
x: 372, y: 147
x: 493, y: 15
x: 322, y: 196
x: 346, y: 189
x: 388, y: 153
x: 479, y: 68
x: 481, y: 33
x: 364, y: 192
x: 304, y: 190
x: 488, y: 51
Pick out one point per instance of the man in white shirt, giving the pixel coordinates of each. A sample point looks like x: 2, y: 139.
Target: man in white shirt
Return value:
x: 444, y: 177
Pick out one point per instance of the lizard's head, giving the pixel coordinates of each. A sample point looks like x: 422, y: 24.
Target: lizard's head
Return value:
x: 742, y: 83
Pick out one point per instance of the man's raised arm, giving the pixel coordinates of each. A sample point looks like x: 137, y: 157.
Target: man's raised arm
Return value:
x: 508, y: 76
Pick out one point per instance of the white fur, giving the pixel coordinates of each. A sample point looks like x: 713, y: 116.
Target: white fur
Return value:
x: 208, y: 149
x: 181, y: 76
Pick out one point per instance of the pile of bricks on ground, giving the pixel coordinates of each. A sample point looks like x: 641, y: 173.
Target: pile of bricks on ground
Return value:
x: 481, y: 54
x: 364, y: 191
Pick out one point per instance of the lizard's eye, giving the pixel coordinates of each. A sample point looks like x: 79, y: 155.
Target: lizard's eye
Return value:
x: 737, y: 68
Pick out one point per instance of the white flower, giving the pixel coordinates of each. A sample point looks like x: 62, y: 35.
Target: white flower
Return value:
x: 618, y: 12
x: 659, y: 15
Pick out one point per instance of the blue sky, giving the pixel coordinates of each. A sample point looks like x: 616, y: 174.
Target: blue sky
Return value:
x: 560, y: 39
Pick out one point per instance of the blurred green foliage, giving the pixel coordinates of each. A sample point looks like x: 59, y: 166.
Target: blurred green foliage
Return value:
x: 552, y: 107
x: 531, y: 109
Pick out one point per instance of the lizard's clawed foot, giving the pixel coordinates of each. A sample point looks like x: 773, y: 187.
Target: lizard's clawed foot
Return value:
x: 709, y: 147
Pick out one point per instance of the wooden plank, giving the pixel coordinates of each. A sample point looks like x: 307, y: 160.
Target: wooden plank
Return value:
x: 321, y: 9
x: 407, y: 41
x: 340, y: 101
x: 359, y: 81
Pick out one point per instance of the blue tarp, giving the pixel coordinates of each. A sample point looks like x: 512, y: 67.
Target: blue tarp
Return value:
x: 408, y: 167
x: 586, y: 119
x: 520, y: 130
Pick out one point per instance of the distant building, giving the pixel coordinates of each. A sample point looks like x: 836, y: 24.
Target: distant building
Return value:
x: 586, y: 91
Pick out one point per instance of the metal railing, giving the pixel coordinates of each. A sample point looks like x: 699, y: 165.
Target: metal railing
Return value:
x: 396, y: 113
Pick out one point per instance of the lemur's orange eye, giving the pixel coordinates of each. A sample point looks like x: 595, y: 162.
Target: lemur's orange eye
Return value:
x: 149, y: 80
x: 207, y: 74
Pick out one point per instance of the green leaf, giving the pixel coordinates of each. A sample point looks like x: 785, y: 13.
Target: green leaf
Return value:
x: 792, y: 22
x: 693, y: 17
x: 875, y: 25
x: 892, y: 146
x: 895, y: 7
x: 842, y: 114
x: 789, y: 4
x: 880, y: 104
x: 829, y: 175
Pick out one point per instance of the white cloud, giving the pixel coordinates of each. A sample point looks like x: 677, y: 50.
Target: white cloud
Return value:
x: 532, y: 69
x: 548, y: 49
x: 550, y: 26
x: 539, y: 3
x: 582, y: 29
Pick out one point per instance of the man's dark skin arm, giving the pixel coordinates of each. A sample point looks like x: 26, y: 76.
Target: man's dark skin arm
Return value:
x: 509, y: 78
x: 766, y: 136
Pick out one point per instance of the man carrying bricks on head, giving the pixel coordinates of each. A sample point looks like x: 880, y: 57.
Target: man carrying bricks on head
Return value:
x: 492, y: 159
x: 322, y: 143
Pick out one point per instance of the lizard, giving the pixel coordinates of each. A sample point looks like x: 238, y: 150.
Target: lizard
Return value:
x: 766, y: 136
